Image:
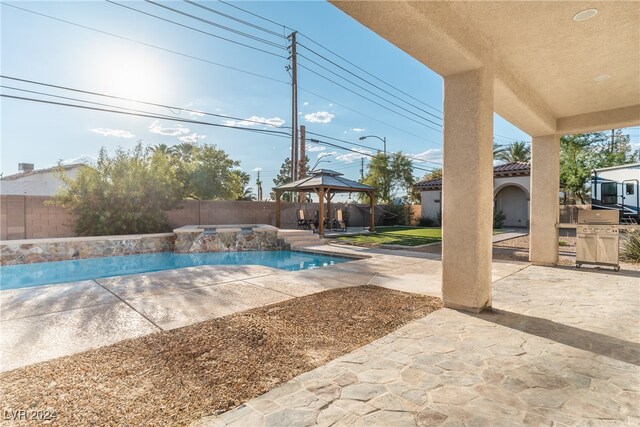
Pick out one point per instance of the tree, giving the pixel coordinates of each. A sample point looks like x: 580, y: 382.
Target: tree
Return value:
x: 124, y: 194
x: 388, y: 174
x: 284, y: 177
x: 518, y: 151
x: 207, y: 173
x: 434, y: 174
x: 247, y: 192
x: 581, y: 154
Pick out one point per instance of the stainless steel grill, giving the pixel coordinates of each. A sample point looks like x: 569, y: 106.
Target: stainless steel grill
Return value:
x: 598, y: 238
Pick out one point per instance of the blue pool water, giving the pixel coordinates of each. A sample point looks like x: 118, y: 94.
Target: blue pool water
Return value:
x: 22, y: 276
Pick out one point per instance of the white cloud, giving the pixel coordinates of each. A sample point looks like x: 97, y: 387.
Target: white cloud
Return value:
x: 431, y: 155
x: 305, y: 104
x: 85, y: 158
x: 258, y: 169
x: 196, y: 113
x: 319, y: 117
x: 168, y: 131
x: 118, y: 133
x: 352, y: 157
x: 314, y: 148
x: 358, y: 129
x: 192, y: 138
x: 256, y: 121
x: 323, y: 155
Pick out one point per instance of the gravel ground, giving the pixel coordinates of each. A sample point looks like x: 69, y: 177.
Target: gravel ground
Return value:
x: 517, y: 249
x: 179, y: 376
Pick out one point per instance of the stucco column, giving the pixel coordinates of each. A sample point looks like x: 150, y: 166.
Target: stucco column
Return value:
x: 545, y: 200
x: 467, y: 190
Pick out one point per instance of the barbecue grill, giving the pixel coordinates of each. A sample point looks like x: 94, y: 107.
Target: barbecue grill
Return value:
x: 597, y: 238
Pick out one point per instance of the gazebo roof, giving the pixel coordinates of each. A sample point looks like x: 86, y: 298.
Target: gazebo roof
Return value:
x: 325, y: 178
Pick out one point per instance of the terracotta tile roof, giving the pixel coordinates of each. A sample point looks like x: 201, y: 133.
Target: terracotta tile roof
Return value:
x: 515, y: 168
x: 512, y: 167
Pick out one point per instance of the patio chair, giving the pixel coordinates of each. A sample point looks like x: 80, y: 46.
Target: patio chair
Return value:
x: 338, y: 222
x: 303, y: 224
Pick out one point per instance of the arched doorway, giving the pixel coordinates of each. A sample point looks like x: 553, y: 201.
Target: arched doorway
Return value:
x: 513, y: 201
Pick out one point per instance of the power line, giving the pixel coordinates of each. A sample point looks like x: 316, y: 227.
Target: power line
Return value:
x: 317, y: 141
x: 254, y: 14
x: 169, y: 107
x: 149, y: 45
x: 369, y: 147
x: 215, y: 24
x: 242, y: 21
x: 338, y: 56
x: 366, y: 81
x: 365, y: 115
x: 368, y: 73
x: 149, y: 115
x: 196, y: 29
x: 369, y: 91
x: 368, y: 99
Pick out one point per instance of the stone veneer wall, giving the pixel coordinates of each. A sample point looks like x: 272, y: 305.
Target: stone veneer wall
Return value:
x: 61, y: 249
x: 229, y: 239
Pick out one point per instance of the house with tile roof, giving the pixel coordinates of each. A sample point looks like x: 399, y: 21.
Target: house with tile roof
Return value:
x: 511, y: 189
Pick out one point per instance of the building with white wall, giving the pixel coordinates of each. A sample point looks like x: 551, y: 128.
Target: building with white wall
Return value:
x: 511, y: 189
x: 41, y: 182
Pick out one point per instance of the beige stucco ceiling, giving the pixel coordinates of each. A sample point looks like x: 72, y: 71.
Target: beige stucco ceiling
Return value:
x: 544, y: 61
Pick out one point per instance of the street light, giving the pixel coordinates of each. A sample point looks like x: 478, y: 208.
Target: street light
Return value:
x: 320, y: 160
x: 384, y: 141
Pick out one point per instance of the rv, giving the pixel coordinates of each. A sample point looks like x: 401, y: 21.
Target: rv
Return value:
x: 617, y: 188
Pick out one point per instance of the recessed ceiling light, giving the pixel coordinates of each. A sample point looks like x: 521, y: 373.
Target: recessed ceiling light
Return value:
x: 602, y: 78
x: 584, y: 15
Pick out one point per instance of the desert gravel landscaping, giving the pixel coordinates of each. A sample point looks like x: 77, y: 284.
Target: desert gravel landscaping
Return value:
x: 178, y: 376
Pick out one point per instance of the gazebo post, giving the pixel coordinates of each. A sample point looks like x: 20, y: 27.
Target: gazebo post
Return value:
x: 321, y: 213
x: 329, y: 206
x: 278, y: 208
x: 372, y: 213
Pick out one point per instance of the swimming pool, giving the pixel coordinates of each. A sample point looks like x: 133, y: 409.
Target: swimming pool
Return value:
x: 46, y: 273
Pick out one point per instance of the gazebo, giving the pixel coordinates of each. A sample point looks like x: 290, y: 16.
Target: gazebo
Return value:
x: 325, y: 183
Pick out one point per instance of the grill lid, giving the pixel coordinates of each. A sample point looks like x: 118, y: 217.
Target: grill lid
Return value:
x: 598, y: 216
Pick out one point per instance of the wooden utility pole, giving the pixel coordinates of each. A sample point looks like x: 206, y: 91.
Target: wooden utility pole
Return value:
x: 302, y: 164
x: 362, y: 168
x: 259, y: 184
x: 294, y: 106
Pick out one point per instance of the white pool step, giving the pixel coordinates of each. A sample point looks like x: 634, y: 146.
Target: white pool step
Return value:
x: 300, y: 238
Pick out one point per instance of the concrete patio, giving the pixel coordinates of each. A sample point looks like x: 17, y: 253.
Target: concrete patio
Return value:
x: 561, y: 347
x: 63, y: 319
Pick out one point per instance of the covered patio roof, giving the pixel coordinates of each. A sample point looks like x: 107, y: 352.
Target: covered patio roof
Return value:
x: 549, y: 67
x: 325, y: 183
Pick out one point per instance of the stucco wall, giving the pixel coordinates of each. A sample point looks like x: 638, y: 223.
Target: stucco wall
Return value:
x: 432, y: 200
x: 36, y: 184
x: 431, y: 203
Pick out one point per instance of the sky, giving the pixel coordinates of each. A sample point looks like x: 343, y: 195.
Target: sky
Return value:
x: 176, y: 66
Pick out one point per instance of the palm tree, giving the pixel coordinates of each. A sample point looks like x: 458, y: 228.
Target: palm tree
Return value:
x: 518, y: 151
x: 161, y: 148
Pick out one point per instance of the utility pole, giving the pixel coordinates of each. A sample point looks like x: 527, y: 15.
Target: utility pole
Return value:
x: 302, y: 164
x: 613, y: 143
x: 259, y: 184
x: 294, y: 105
x: 362, y: 168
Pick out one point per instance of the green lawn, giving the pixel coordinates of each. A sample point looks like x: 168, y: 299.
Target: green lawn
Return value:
x: 406, y: 236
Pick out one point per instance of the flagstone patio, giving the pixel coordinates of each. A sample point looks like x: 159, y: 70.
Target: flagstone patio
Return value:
x: 561, y: 347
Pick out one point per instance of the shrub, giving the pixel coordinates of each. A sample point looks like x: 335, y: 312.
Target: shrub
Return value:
x: 498, y: 219
x: 631, y: 247
x: 124, y: 194
x: 426, y: 221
